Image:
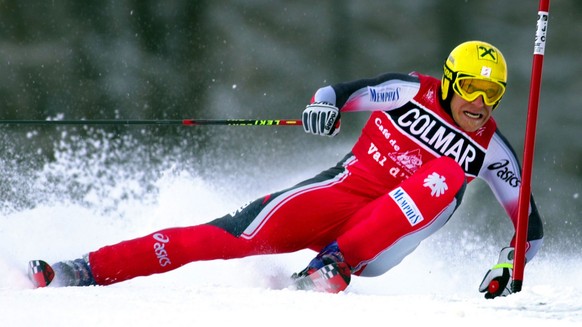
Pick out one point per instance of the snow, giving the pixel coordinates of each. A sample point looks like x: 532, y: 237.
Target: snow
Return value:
x: 437, y: 284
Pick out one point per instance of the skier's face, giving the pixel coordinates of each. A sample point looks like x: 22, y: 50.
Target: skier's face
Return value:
x: 470, y: 116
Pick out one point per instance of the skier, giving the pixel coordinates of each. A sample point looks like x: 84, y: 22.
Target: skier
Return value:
x: 425, y: 140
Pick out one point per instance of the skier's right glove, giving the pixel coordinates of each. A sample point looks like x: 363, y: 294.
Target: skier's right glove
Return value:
x: 321, y: 118
x: 497, y: 281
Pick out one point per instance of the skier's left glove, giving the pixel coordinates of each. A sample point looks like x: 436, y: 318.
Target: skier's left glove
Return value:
x: 497, y: 281
x: 321, y: 118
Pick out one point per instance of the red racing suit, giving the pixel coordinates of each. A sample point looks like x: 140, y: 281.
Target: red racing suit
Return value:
x: 401, y: 182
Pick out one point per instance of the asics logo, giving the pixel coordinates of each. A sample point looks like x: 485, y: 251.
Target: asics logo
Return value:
x: 160, y: 249
x: 504, y: 173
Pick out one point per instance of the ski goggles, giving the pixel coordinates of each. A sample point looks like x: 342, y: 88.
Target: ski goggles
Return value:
x: 469, y: 88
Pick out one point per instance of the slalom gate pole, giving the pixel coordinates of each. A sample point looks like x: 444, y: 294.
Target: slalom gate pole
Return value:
x: 530, y: 133
x: 183, y: 122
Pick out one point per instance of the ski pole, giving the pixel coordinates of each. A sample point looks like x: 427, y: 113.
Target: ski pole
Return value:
x: 182, y: 122
x: 530, y: 133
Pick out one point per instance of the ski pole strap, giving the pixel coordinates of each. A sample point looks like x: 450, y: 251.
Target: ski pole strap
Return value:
x: 503, y: 265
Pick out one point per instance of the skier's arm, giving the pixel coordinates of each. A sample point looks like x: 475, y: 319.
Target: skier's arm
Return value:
x: 384, y: 92
x: 502, y: 172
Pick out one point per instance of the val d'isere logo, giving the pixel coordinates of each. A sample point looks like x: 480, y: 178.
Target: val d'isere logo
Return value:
x: 409, y: 160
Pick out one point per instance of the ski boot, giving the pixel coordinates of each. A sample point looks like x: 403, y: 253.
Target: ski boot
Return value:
x: 327, y: 272
x: 63, y: 273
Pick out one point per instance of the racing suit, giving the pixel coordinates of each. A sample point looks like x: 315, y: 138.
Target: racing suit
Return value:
x: 400, y: 183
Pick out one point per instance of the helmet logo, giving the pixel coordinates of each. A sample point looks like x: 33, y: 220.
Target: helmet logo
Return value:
x: 486, y: 71
x: 487, y: 53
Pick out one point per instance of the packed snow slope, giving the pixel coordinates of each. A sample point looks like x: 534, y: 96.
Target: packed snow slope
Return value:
x: 83, y: 199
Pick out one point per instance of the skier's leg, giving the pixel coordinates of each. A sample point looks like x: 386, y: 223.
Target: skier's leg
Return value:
x: 286, y: 221
x: 382, y: 233
x: 163, y: 251
x: 392, y: 226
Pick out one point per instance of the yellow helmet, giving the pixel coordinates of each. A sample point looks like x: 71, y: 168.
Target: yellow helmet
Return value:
x: 474, y: 69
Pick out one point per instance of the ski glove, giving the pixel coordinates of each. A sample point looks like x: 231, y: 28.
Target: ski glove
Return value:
x: 321, y: 118
x: 497, y: 281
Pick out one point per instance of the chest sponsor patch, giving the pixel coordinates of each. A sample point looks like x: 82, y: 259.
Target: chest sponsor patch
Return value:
x: 437, y: 136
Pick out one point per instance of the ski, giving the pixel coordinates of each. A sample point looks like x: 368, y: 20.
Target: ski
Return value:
x: 40, y: 273
x: 327, y: 279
